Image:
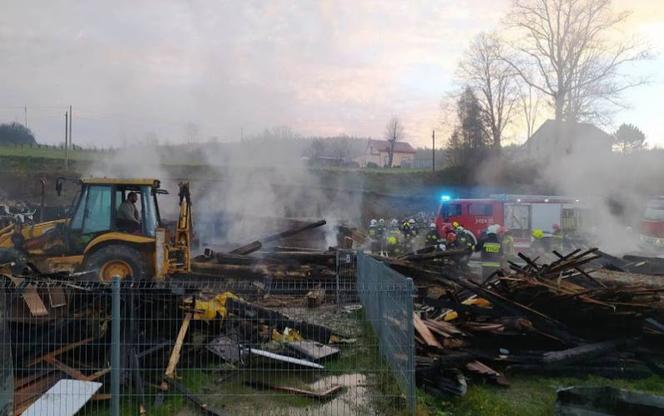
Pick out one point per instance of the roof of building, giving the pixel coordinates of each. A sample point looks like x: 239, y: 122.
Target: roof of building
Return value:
x: 384, y: 145
x: 570, y: 132
x: 121, y: 181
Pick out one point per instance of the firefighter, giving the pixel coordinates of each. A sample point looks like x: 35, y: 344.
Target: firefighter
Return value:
x: 491, y: 251
x: 394, y: 239
x: 432, y: 238
x: 407, y: 229
x: 408, y: 234
x: 464, y: 238
x: 451, y: 241
x: 373, y: 236
x: 540, y: 244
x: 509, y: 252
x: 557, y: 238
x: 447, y: 228
x: 381, y: 235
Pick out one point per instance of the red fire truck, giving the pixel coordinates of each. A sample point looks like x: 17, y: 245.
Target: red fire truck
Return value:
x: 518, y: 213
x: 652, y: 226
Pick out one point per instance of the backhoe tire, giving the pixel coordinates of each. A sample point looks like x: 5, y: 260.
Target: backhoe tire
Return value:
x: 116, y: 260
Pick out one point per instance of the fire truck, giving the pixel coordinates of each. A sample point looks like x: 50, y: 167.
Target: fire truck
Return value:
x: 518, y: 213
x: 652, y: 226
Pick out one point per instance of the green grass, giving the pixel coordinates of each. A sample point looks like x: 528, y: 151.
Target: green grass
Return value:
x: 46, y: 152
x: 527, y: 396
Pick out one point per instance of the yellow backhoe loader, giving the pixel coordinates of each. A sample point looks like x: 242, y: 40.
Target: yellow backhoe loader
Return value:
x: 94, y: 238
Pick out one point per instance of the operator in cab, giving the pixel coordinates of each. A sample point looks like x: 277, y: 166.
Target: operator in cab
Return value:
x: 129, y: 219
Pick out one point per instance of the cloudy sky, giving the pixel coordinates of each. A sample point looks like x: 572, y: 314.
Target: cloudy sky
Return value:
x: 138, y: 69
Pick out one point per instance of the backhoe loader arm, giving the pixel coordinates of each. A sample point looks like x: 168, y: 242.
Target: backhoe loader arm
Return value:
x: 182, y: 242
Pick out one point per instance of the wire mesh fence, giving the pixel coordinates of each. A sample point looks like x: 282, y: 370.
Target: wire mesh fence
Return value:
x: 193, y: 347
x: 387, y: 297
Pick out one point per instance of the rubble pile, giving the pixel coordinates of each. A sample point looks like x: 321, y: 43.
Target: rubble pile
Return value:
x: 554, y: 319
x: 60, y: 330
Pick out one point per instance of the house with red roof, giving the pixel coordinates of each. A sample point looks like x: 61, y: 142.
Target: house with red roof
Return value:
x: 377, y: 152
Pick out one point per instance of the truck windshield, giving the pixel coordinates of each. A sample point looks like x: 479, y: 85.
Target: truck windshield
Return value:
x: 450, y: 210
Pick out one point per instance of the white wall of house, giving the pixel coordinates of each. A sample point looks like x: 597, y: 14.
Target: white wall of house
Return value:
x: 381, y: 159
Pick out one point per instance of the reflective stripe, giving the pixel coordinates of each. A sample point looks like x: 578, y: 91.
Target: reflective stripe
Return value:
x: 492, y: 247
x: 490, y: 264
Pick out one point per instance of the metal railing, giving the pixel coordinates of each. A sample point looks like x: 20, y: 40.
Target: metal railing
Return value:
x: 215, y: 347
x: 387, y: 298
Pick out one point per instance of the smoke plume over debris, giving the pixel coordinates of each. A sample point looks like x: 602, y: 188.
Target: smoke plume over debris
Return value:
x: 242, y: 188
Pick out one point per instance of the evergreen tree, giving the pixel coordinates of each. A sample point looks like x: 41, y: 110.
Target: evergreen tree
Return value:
x: 469, y: 143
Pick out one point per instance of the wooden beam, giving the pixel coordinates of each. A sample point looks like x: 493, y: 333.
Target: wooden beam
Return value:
x: 177, y: 348
x: 61, y: 350
x: 425, y: 333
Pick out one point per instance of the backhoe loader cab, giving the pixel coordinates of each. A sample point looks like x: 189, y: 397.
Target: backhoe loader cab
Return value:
x: 97, y: 239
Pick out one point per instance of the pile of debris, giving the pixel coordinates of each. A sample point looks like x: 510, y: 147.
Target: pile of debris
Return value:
x: 59, y: 332
x: 555, y: 319
x: 276, y: 268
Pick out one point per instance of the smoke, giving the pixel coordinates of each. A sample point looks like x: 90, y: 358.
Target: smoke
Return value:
x: 613, y: 188
x: 242, y: 191
x: 141, y: 161
x: 266, y: 179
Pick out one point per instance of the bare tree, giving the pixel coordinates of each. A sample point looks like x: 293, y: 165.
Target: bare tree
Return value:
x: 493, y: 80
x: 393, y: 133
x: 570, y: 51
x: 529, y: 99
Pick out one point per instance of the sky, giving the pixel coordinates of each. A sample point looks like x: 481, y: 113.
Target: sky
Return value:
x: 192, y: 70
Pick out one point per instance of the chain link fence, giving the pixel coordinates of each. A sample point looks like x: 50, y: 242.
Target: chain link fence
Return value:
x: 210, y: 347
x: 387, y: 297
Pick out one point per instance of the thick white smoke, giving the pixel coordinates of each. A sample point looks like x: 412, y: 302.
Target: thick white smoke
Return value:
x: 250, y: 186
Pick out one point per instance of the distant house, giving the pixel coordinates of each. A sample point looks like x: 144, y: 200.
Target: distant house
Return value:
x: 377, y: 152
x: 550, y: 140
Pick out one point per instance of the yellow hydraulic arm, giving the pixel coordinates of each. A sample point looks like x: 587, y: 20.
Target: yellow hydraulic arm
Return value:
x: 182, y: 242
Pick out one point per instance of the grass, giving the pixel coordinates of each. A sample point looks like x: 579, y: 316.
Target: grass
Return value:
x: 46, y: 152
x: 527, y: 396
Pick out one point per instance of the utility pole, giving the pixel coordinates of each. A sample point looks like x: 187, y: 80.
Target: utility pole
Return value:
x: 66, y: 141
x: 241, y: 134
x: 26, y: 116
x: 433, y: 151
x: 71, y: 117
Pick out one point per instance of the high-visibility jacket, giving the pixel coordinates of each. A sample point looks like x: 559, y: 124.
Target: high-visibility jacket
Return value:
x: 394, y: 240
x: 491, y: 251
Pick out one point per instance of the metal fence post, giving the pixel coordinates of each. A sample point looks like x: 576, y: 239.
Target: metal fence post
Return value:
x: 408, y: 301
x: 7, y: 369
x: 115, y: 348
x: 337, y: 270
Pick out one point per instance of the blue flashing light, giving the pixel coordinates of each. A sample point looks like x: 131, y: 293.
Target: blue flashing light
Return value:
x: 445, y: 198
